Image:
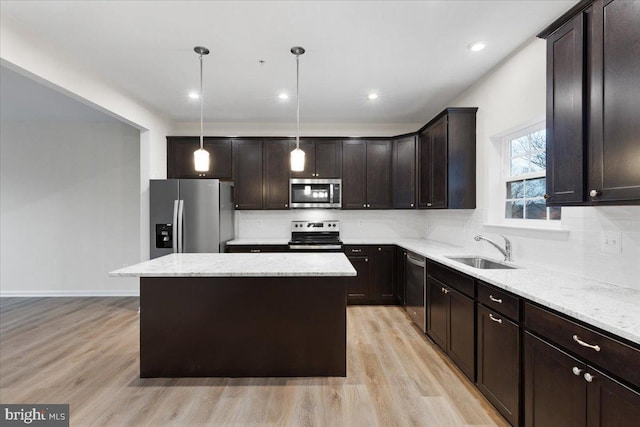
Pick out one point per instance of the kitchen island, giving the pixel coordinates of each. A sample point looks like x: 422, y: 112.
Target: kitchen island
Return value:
x: 243, y: 315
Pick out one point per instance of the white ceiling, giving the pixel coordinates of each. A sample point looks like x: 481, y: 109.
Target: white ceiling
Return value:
x: 413, y: 53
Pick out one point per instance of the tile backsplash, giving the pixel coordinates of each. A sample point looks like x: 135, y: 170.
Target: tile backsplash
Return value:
x: 577, y: 248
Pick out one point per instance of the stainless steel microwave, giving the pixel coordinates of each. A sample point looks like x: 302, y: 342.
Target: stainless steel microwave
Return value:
x: 315, y: 193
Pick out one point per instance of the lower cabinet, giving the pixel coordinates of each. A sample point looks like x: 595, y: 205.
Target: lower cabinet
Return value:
x: 499, y: 362
x: 451, y: 320
x: 376, y: 279
x: 256, y: 248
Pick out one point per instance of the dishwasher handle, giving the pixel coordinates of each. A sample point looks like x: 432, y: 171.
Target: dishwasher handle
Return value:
x: 419, y: 262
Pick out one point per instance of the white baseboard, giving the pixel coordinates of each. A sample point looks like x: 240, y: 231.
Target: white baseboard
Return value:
x: 91, y: 293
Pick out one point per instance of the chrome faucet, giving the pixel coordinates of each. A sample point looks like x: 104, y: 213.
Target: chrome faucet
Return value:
x: 506, y: 252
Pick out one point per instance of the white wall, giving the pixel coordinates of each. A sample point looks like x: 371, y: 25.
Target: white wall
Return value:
x: 510, y: 95
x: 29, y: 55
x: 70, y: 207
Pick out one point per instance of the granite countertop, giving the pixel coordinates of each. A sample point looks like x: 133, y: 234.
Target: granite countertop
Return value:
x: 609, y: 307
x: 242, y: 265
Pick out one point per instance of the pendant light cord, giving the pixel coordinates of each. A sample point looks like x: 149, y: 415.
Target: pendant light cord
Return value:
x: 298, y: 99
x: 201, y: 108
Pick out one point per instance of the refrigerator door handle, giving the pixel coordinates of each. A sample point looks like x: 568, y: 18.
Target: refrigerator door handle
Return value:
x: 180, y: 226
x: 175, y: 226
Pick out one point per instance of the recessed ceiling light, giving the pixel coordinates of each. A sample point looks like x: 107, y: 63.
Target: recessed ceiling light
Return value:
x: 476, y: 46
x: 373, y: 96
x: 194, y: 95
x: 283, y: 96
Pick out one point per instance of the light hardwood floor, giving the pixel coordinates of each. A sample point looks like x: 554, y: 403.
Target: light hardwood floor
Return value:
x: 84, y: 351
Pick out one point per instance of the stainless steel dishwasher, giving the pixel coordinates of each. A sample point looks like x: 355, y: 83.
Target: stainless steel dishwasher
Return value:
x: 415, y: 279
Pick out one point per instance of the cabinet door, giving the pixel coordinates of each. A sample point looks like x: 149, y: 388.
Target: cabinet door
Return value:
x: 358, y: 286
x: 498, y: 349
x: 439, y: 164
x: 609, y: 403
x: 404, y: 173
x: 424, y: 168
x: 615, y: 101
x: 328, y: 158
x: 247, y: 173
x: 276, y: 173
x: 462, y: 332
x: 379, y: 155
x: 553, y: 395
x: 565, y: 107
x: 401, y: 286
x: 309, y: 148
x: 437, y: 312
x: 383, y: 274
x: 354, y: 174
x: 180, y: 157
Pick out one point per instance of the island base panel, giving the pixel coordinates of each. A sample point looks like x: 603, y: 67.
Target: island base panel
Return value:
x: 242, y: 327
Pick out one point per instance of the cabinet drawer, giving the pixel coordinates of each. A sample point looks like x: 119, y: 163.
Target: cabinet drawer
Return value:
x: 352, y: 250
x: 257, y: 248
x: 618, y: 358
x: 457, y: 281
x: 499, y: 300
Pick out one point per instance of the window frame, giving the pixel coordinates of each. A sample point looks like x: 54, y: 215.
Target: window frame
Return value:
x: 506, y: 177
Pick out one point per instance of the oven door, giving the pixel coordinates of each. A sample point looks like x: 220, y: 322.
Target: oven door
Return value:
x: 315, y: 193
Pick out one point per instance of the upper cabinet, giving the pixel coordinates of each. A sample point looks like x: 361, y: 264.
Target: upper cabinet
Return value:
x: 323, y: 158
x: 276, y: 154
x: 366, y: 174
x: 248, y: 173
x: 404, y: 172
x: 593, y: 104
x: 180, y: 157
x: 447, y: 160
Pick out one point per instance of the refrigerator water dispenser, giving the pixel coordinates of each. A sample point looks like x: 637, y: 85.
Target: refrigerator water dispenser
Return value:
x: 164, y: 236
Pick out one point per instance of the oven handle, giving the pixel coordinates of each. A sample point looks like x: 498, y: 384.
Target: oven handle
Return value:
x: 327, y: 247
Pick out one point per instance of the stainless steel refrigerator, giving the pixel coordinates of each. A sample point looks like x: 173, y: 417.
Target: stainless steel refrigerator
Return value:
x: 190, y: 215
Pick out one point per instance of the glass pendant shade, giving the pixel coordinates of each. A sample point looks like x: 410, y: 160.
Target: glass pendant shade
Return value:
x: 201, y: 160
x: 297, y: 160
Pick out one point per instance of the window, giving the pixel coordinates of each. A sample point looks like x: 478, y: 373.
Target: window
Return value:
x: 525, y: 183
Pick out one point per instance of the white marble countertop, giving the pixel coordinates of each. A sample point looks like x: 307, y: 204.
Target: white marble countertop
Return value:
x: 242, y: 265
x: 609, y: 307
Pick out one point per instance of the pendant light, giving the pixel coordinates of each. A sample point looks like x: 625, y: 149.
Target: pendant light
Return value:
x: 201, y: 156
x: 297, y: 155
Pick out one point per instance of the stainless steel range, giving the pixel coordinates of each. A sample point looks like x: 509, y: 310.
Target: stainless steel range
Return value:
x: 315, y: 236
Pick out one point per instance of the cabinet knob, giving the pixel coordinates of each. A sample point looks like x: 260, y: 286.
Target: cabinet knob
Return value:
x: 411, y: 204
x: 546, y: 196
x: 366, y: 260
x: 364, y: 206
x: 594, y: 193
x: 286, y: 205
x: 588, y: 377
x: 368, y: 205
x: 236, y: 206
x: 444, y: 290
x: 379, y: 249
x: 576, y: 371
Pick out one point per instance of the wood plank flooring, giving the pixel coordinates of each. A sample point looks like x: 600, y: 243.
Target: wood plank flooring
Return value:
x: 84, y: 352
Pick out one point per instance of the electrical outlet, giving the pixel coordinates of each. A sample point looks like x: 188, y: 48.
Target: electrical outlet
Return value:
x: 259, y: 223
x: 361, y: 223
x: 611, y: 242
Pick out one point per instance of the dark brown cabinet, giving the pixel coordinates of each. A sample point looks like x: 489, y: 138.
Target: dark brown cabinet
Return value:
x: 180, y: 157
x: 323, y: 158
x: 248, y: 173
x: 593, y: 101
x: 498, y: 364
x: 376, y: 279
x: 447, y: 160
x: 564, y: 374
x: 451, y: 316
x: 276, y: 173
x: 404, y: 173
x: 366, y: 174
x: 255, y: 249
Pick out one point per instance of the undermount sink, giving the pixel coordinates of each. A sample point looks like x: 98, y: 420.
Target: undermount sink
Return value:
x: 482, y: 263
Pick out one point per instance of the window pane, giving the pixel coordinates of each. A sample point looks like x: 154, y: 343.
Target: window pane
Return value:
x: 519, y: 146
x: 538, y: 140
x: 536, y: 209
x: 515, y: 190
x: 514, y: 209
x: 555, y: 212
x: 536, y: 187
x: 538, y: 161
x: 519, y: 165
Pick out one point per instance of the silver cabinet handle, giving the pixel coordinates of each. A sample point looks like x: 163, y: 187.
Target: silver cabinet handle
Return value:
x: 584, y: 344
x: 594, y: 193
x: 588, y: 377
x: 495, y: 319
x: 356, y: 251
x: 254, y: 251
x: 498, y: 300
x: 576, y: 371
x: 428, y: 204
